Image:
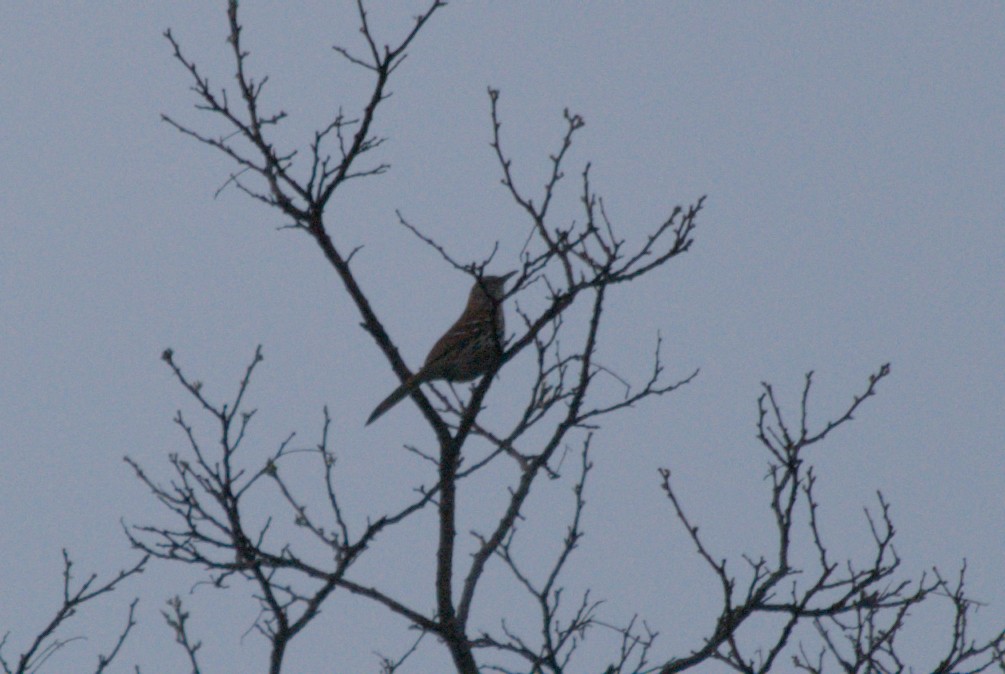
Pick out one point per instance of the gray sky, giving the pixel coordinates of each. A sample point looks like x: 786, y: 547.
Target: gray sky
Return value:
x: 853, y: 158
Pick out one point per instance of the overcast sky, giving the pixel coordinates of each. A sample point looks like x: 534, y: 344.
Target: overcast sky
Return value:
x: 854, y: 158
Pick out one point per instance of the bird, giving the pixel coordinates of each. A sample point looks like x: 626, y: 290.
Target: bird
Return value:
x: 470, y: 348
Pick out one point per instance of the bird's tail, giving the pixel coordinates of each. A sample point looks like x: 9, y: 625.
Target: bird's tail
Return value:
x: 390, y: 401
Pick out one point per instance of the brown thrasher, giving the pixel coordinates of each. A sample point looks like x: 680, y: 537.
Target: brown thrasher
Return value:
x: 470, y: 348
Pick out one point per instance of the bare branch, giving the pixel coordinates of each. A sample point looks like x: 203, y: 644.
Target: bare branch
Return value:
x: 46, y: 643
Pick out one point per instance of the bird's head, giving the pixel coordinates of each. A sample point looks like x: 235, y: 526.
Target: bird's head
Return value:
x: 493, y: 286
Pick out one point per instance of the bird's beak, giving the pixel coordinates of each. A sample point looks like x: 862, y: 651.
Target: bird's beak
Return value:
x: 505, y: 277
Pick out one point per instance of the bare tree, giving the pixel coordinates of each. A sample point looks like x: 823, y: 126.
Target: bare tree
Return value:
x: 567, y: 270
x: 857, y: 609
